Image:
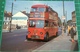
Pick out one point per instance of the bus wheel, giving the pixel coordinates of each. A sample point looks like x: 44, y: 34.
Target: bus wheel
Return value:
x: 56, y: 33
x: 46, y: 38
x: 27, y: 38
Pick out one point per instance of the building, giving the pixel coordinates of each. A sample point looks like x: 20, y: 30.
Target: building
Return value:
x: 20, y: 19
x: 73, y: 17
x: 6, y: 20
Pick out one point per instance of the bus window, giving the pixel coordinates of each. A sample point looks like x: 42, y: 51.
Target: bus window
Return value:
x: 51, y: 24
x: 33, y: 9
x: 32, y: 23
x: 46, y: 23
x: 41, y: 9
x: 38, y: 9
x: 55, y: 24
x: 40, y: 24
x: 46, y: 9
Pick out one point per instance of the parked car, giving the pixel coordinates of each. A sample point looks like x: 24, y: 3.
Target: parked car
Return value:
x: 18, y: 27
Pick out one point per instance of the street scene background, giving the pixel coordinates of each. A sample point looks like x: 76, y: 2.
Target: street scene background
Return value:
x: 14, y: 39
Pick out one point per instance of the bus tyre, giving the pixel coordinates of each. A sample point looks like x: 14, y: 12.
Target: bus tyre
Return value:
x: 46, y: 38
x: 56, y: 33
x: 27, y: 38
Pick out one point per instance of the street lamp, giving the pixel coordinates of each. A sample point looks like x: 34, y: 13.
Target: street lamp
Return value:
x: 63, y: 18
x: 11, y: 17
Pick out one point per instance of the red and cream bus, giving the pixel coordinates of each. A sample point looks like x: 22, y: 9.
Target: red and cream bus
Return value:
x: 42, y: 23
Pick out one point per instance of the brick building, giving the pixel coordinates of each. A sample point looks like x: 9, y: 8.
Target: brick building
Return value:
x: 73, y: 17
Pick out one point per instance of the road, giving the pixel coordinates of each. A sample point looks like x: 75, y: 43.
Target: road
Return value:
x: 16, y: 41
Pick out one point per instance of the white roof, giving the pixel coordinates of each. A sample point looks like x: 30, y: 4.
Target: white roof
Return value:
x: 19, y: 14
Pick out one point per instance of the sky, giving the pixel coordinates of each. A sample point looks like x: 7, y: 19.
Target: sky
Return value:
x: 69, y: 6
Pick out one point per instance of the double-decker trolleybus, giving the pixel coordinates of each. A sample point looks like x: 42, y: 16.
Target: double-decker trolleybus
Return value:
x: 43, y: 22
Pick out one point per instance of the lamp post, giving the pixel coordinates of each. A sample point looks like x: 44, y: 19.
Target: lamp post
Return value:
x: 11, y: 17
x: 63, y: 18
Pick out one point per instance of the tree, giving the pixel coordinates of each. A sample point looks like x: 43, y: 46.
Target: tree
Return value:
x: 5, y: 15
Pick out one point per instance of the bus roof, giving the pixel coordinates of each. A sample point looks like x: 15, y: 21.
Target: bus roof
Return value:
x: 40, y: 5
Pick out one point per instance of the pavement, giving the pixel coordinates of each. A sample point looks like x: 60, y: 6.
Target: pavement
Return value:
x: 61, y: 43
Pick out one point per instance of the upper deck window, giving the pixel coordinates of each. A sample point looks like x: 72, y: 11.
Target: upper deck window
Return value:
x: 38, y: 9
x: 41, y: 9
x: 33, y: 9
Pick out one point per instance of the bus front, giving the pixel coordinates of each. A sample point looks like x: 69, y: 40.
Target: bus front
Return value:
x: 36, y: 23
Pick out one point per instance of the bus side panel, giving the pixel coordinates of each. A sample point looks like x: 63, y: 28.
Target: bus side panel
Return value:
x: 55, y: 31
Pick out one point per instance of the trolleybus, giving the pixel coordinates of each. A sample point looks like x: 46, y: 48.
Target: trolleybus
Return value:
x: 42, y: 23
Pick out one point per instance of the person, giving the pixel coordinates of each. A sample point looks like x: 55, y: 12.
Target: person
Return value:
x: 59, y: 30
x: 69, y: 30
x: 72, y: 32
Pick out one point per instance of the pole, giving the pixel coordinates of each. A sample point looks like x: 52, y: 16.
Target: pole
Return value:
x: 11, y: 17
x: 66, y: 19
x: 63, y: 24
x: 63, y: 9
x: 63, y: 13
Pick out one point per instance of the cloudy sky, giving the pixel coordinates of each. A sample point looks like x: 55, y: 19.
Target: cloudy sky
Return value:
x: 55, y: 5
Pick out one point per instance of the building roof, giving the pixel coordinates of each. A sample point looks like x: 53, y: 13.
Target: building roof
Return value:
x: 19, y: 14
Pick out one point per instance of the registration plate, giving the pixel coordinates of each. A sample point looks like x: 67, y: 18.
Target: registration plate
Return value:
x: 35, y: 37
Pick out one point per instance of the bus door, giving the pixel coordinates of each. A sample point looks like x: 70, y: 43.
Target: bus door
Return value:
x: 52, y: 28
x: 47, y: 27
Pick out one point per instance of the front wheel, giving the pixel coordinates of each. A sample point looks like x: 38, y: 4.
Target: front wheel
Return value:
x: 56, y: 33
x: 27, y: 38
x: 46, y: 38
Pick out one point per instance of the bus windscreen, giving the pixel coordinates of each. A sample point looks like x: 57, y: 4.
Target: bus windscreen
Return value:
x: 37, y: 24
